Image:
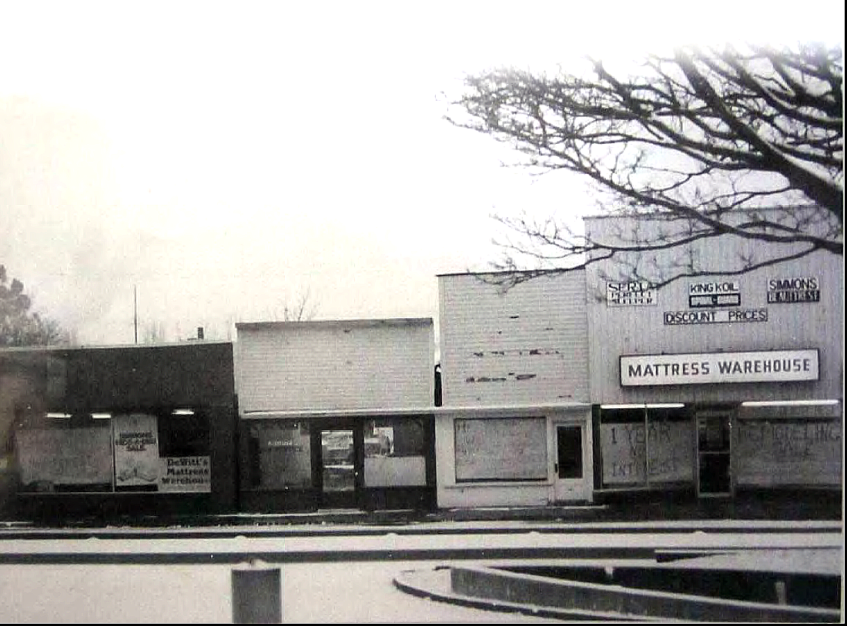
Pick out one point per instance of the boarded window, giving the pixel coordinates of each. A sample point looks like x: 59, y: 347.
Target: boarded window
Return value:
x: 501, y: 449
x: 788, y: 452
x: 65, y: 459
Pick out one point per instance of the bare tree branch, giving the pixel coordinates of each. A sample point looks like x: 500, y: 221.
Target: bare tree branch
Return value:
x: 697, y: 137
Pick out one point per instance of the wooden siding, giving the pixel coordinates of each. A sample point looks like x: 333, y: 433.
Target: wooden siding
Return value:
x: 301, y: 366
x: 528, y: 345
x: 634, y: 330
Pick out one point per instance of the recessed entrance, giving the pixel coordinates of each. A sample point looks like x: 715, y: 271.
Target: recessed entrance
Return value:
x: 337, y: 469
x: 713, y: 453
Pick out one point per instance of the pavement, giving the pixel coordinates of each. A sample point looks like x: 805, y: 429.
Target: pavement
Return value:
x: 827, y: 506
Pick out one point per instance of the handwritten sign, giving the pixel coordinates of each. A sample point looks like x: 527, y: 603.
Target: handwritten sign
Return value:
x: 67, y: 456
x: 501, y: 449
x: 788, y: 452
x: 625, y: 452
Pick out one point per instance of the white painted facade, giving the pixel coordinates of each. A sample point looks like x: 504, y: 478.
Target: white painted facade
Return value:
x: 526, y: 346
x: 752, y: 359
x: 641, y: 329
x: 518, y: 360
x: 339, y: 365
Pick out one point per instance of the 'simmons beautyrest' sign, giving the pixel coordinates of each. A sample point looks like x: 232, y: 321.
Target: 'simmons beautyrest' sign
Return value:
x: 725, y: 367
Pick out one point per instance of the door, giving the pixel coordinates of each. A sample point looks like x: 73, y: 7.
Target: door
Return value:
x: 337, y: 469
x: 569, y: 468
x: 713, y: 454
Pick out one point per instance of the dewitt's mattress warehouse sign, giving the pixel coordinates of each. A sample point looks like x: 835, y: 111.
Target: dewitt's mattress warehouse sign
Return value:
x: 722, y: 367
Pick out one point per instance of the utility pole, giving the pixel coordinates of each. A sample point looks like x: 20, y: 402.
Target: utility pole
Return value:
x: 135, y: 310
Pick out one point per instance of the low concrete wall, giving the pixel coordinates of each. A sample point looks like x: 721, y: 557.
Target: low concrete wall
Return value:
x: 483, y: 582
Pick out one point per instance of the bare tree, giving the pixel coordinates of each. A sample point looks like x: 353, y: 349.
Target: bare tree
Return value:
x: 301, y: 310
x: 696, y: 139
x: 154, y: 332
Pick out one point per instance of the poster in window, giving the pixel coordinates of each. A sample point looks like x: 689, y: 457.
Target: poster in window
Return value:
x: 136, y: 450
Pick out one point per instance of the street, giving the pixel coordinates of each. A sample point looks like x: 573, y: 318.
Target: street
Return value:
x: 334, y: 575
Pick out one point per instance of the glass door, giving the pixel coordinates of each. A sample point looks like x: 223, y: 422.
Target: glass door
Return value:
x: 569, y: 468
x: 713, y: 453
x: 337, y: 469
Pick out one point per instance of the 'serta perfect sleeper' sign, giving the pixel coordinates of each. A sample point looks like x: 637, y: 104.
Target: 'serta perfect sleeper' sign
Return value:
x: 725, y: 367
x: 631, y: 293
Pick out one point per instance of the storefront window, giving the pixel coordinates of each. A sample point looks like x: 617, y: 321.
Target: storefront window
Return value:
x: 395, y: 452
x: 646, y: 445
x: 184, y: 451
x: 501, y: 449
x: 64, y: 453
x: 281, y: 455
x: 156, y: 451
x: 788, y: 452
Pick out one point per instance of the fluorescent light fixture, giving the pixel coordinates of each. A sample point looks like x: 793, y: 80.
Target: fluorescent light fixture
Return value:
x: 182, y: 412
x: 790, y: 403
x: 101, y: 416
x: 666, y: 405
x: 60, y: 416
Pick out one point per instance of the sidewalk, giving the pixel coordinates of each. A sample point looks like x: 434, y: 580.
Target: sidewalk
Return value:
x: 814, y: 506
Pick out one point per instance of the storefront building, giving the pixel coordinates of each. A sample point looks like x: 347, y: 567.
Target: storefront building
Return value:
x: 119, y: 430
x: 514, y: 428
x: 716, y: 385
x: 336, y: 414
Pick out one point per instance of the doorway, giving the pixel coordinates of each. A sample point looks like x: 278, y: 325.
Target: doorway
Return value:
x: 337, y: 468
x: 713, y: 453
x: 569, y: 481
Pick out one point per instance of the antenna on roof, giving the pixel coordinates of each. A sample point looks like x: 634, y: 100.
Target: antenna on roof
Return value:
x: 135, y: 310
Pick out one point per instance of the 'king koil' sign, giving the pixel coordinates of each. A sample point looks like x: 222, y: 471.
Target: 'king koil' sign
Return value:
x: 714, y: 294
x: 719, y: 367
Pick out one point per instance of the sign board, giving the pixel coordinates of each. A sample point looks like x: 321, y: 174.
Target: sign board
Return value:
x: 710, y: 300
x: 721, y: 367
x: 713, y: 288
x: 632, y: 293
x: 136, y: 450
x: 793, y: 290
x: 185, y: 474
x: 717, y: 316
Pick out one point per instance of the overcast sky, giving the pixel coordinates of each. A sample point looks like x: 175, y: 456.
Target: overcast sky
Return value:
x: 225, y: 159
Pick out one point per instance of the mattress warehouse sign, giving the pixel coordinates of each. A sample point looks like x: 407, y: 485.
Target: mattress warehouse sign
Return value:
x: 719, y: 367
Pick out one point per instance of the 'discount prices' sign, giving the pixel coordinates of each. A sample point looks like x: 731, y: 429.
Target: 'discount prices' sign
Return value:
x: 725, y: 367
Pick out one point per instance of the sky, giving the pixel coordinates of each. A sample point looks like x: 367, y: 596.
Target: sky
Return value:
x: 179, y: 164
